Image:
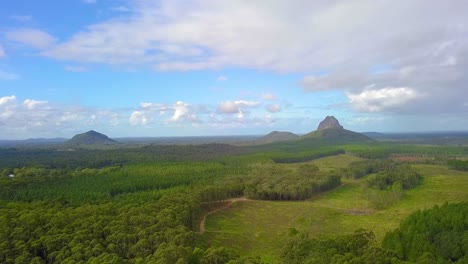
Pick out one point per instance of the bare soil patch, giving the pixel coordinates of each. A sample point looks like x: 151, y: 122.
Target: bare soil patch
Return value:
x: 218, y: 206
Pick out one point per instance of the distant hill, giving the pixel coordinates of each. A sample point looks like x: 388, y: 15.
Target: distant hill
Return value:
x: 330, y: 133
x: 331, y: 130
x: 374, y: 135
x: 90, y: 138
x: 277, y: 136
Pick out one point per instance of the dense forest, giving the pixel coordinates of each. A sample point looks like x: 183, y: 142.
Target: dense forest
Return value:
x: 144, y: 204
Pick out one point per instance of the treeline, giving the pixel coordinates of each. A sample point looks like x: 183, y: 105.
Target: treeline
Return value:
x: 386, y: 150
x: 305, y: 156
x: 359, y: 169
x: 98, y: 158
x: 96, y: 185
x: 273, y: 182
x: 387, y: 187
x: 358, y: 247
x: 437, y: 235
x: 456, y: 164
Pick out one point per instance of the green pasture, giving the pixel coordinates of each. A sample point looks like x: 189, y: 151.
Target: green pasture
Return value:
x: 261, y: 228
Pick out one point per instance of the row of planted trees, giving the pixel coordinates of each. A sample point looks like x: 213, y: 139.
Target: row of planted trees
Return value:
x: 275, y: 182
x: 133, y: 214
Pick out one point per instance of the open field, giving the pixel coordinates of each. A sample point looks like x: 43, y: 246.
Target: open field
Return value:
x: 262, y: 227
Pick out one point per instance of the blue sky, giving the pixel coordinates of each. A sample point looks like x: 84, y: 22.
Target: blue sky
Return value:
x: 193, y: 68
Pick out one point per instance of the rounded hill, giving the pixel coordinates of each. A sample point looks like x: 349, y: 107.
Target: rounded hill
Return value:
x: 90, y: 138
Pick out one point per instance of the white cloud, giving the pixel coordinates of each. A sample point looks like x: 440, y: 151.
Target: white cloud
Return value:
x: 269, y: 119
x: 167, y: 113
x: 231, y: 107
x: 138, y: 118
x: 7, y: 100
x: 39, y: 118
x: 274, y: 108
x: 304, y: 35
x: 148, y: 105
x: 180, y: 111
x: 240, y: 116
x: 31, y: 37
x: 228, y: 107
x: 385, y: 99
x: 222, y: 78
x: 338, y: 43
x: 33, y: 104
x: 36, y: 118
x: 228, y: 113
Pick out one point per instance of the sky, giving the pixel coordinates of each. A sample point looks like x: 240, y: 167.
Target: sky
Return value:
x: 151, y: 68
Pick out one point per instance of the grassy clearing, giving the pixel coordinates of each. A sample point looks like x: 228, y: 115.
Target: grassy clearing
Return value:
x: 261, y: 227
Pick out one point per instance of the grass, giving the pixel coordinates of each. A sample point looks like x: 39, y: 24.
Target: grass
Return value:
x: 260, y: 228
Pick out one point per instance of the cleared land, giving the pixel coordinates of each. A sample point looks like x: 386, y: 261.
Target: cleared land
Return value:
x: 262, y: 227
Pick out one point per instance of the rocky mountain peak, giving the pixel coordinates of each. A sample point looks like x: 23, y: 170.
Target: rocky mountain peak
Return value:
x: 329, y: 122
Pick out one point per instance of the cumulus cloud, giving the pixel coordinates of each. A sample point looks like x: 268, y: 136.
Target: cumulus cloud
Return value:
x: 7, y: 100
x: 138, y: 118
x: 385, y: 99
x: 34, y: 104
x: 31, y: 37
x: 231, y: 107
x: 149, y: 112
x: 182, y: 112
x: 39, y: 118
x: 225, y: 114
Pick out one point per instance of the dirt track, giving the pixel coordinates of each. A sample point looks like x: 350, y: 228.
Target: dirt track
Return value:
x: 229, y: 202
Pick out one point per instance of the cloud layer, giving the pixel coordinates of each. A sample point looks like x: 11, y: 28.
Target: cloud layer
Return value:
x: 19, y: 118
x: 46, y: 119
x: 385, y: 57
x: 344, y: 45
